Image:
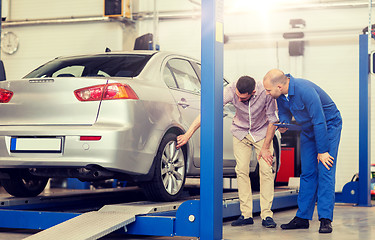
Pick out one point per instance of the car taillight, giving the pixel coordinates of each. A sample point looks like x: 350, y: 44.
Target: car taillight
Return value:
x: 105, y: 92
x: 5, y: 95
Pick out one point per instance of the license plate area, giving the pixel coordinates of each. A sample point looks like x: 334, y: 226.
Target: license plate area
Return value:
x: 36, y: 144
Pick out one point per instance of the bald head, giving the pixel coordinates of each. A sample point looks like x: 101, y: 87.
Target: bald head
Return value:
x: 275, y: 76
x: 276, y: 83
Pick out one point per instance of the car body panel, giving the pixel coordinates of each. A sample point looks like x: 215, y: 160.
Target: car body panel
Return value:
x: 131, y: 130
x: 48, y: 101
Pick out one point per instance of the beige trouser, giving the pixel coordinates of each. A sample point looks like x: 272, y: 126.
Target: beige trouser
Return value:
x: 242, y: 152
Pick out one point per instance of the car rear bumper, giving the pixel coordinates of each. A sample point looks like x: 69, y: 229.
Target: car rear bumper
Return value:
x: 119, y: 149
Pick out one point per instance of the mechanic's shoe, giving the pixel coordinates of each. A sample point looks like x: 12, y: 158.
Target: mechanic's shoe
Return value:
x: 325, y: 225
x: 296, y: 223
x: 243, y: 221
x: 269, y: 222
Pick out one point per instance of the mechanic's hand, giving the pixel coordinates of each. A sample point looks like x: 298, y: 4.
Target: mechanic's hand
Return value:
x: 282, y: 130
x: 266, y: 155
x: 182, y: 140
x: 326, y: 159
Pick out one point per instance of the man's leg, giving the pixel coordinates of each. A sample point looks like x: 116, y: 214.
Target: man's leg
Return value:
x: 266, y: 177
x: 242, y: 151
x: 308, y: 179
x: 326, y: 189
x: 308, y: 186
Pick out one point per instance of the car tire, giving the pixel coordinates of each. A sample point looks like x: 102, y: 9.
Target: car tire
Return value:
x: 23, y: 184
x: 170, y: 172
x: 254, y: 176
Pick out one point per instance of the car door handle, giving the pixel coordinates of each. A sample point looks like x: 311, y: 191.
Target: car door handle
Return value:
x: 183, y: 104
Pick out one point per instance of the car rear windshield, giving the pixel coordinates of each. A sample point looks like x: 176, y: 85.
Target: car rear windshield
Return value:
x: 111, y: 65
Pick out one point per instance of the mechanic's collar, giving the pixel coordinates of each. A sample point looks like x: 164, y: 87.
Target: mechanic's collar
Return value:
x: 291, y: 84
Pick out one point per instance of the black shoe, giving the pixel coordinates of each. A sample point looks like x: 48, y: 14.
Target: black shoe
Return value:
x: 243, y: 221
x: 268, y: 222
x: 296, y: 223
x: 325, y: 225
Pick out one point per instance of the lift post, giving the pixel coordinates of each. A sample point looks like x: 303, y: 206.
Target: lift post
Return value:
x: 364, y: 122
x: 359, y: 192
x: 211, y: 186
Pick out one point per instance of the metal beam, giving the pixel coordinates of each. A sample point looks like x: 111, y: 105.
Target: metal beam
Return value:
x: 71, y: 20
x: 167, y: 220
x: 211, y: 186
x: 364, y: 123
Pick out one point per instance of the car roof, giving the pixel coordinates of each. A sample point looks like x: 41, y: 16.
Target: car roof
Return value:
x: 108, y: 53
x: 135, y: 52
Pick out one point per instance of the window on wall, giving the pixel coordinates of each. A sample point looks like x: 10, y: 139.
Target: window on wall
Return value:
x: 184, y: 75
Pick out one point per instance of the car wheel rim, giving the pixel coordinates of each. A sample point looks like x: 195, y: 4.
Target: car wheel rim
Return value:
x: 172, y: 168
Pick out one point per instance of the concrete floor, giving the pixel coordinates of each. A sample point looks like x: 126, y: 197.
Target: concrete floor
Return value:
x: 349, y: 223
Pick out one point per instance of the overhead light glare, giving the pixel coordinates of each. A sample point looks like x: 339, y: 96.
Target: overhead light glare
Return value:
x: 261, y: 6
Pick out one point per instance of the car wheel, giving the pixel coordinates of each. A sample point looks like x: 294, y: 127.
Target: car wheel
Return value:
x: 23, y: 184
x: 170, y: 172
x: 254, y: 176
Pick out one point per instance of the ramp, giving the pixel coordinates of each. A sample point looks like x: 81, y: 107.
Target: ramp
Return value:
x: 96, y: 224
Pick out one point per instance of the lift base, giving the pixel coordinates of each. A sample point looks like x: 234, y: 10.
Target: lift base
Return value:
x: 140, y: 218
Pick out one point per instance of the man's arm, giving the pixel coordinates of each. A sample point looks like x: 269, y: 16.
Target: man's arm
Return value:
x: 228, y: 95
x: 314, y: 107
x: 184, y: 138
x: 285, y: 116
x: 265, y: 152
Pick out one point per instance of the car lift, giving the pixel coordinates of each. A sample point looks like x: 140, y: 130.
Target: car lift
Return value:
x: 140, y: 218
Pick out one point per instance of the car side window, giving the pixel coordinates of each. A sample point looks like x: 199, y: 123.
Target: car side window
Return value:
x: 225, y: 82
x: 168, y: 77
x: 185, y: 75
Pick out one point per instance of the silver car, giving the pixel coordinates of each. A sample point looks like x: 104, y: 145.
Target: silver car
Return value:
x: 106, y: 116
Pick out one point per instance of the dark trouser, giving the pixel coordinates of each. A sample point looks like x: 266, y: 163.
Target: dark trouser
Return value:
x: 317, y: 184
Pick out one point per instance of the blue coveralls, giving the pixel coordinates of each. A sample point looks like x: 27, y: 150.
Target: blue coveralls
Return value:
x: 321, y: 125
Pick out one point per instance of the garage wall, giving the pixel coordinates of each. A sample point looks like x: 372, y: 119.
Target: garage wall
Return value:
x: 42, y: 42
x: 256, y: 46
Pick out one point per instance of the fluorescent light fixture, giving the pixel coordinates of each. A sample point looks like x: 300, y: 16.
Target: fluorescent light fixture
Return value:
x: 261, y: 6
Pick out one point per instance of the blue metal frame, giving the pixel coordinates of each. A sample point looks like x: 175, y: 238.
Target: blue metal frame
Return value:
x: 289, y: 199
x: 185, y: 221
x: 211, y: 185
x: 74, y: 183
x: 364, y: 124
x: 359, y: 192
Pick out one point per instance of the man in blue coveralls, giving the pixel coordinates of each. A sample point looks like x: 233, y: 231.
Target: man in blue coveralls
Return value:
x: 321, y: 125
